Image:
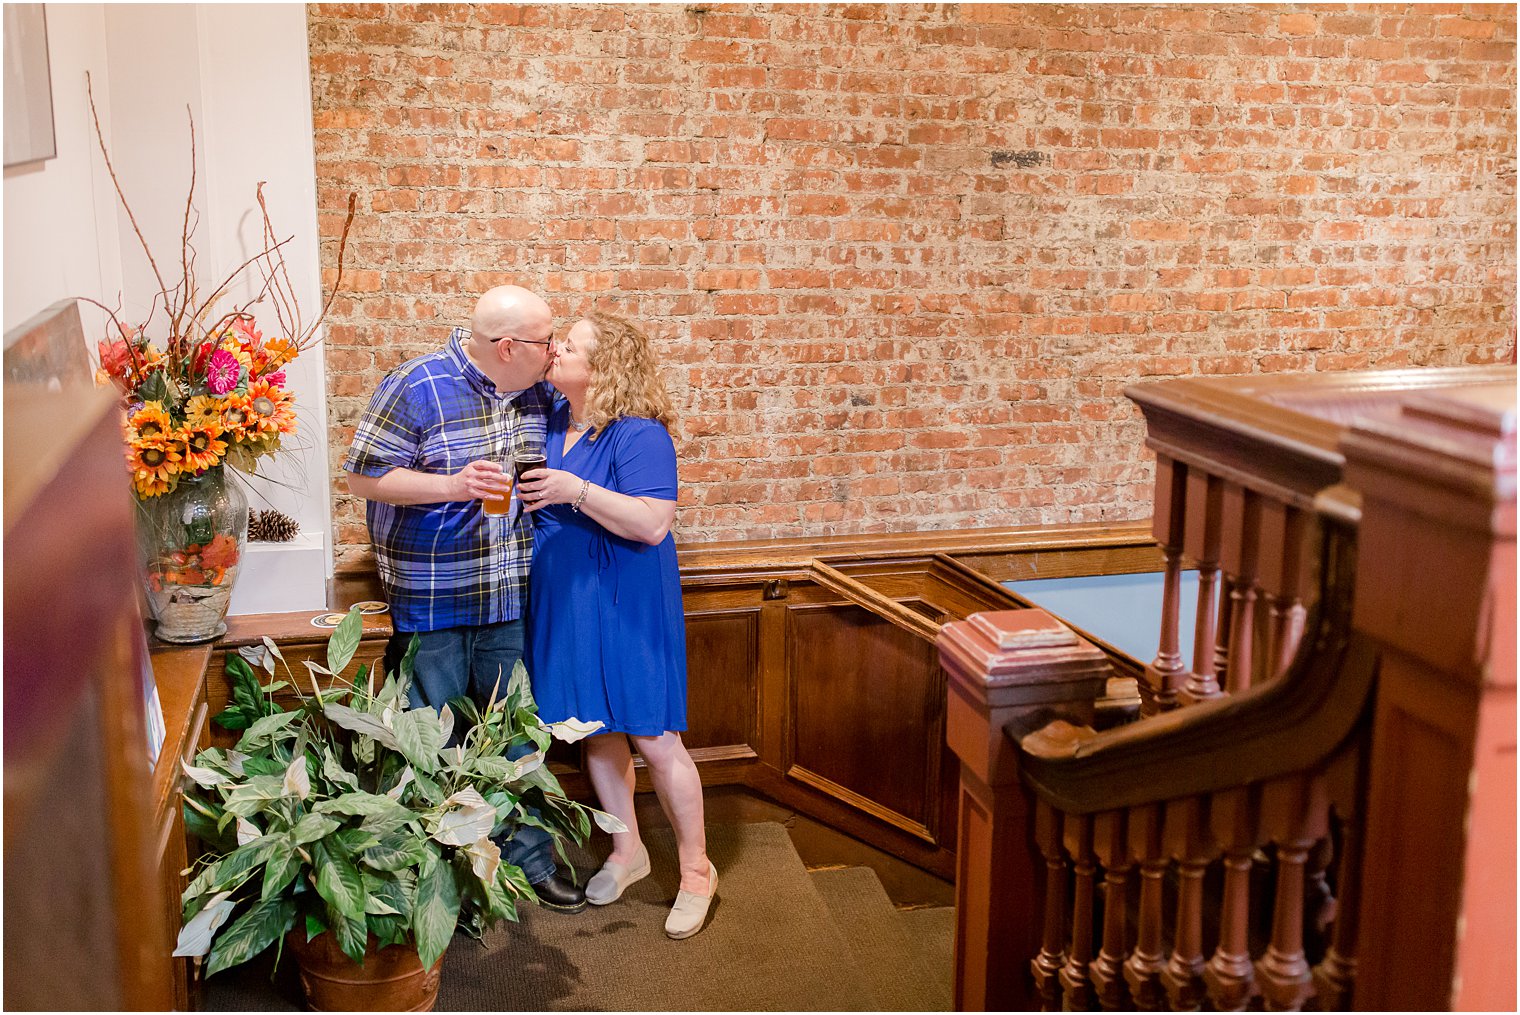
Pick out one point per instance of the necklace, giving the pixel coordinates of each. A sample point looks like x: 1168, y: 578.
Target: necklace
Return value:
x: 577, y: 424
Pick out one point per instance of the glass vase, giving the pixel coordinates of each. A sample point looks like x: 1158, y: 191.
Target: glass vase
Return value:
x: 190, y: 542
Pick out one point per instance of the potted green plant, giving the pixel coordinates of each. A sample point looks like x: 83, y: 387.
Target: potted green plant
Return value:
x: 344, y: 827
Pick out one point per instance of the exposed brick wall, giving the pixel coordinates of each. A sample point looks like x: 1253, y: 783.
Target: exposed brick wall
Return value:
x: 902, y: 260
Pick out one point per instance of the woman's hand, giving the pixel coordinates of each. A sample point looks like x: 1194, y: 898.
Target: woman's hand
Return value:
x: 543, y: 487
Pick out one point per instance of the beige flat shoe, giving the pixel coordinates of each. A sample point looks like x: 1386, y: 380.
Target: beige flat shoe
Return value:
x: 608, y: 884
x: 690, y: 911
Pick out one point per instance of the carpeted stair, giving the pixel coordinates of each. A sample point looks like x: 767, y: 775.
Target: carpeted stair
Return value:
x: 780, y: 939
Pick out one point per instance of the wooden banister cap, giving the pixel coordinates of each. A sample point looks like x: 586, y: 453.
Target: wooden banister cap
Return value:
x: 1017, y: 647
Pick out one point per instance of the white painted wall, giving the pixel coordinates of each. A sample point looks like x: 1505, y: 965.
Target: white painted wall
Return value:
x: 242, y: 71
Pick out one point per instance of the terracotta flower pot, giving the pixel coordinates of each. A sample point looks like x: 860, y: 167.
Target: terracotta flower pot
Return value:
x: 391, y: 978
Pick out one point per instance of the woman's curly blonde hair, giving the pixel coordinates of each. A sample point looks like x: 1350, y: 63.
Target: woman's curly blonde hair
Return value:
x: 625, y: 375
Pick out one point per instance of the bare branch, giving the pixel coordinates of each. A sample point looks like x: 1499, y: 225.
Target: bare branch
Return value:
x: 235, y: 273
x: 184, y: 239
x: 100, y: 137
x: 348, y: 222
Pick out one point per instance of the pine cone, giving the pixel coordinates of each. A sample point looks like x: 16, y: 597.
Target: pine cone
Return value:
x: 277, y: 527
x: 255, y: 526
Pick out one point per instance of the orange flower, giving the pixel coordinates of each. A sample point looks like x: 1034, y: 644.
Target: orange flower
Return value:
x: 155, y: 466
x: 203, y: 446
x: 275, y: 403
x: 279, y: 352
x: 237, y: 417
x: 151, y: 422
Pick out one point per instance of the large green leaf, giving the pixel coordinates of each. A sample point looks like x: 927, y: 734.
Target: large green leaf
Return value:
x: 338, y: 880
x: 255, y: 795
x: 264, y: 923
x: 394, y: 852
x: 419, y: 736
x: 265, y: 729
x: 352, y: 932
x: 381, y: 813
x: 436, y: 911
x: 283, y: 865
x: 334, y: 772
x: 344, y: 641
x: 385, y: 895
x: 362, y: 722
x: 313, y: 827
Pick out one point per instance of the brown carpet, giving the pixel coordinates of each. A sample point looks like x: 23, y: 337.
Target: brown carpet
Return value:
x: 896, y: 974
x: 771, y: 945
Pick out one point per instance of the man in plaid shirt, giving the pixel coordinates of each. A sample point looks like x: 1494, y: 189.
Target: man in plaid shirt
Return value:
x: 430, y: 447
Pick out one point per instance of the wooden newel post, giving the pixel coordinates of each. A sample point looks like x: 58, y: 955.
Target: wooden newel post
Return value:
x: 1005, y: 667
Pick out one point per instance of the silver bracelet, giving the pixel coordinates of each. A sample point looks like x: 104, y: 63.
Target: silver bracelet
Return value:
x: 585, y: 485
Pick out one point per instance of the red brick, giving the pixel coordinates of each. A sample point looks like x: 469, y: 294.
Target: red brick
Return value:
x: 901, y: 292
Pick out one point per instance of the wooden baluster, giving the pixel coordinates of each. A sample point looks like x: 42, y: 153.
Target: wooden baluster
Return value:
x: 1076, y: 981
x: 1166, y: 674
x: 1242, y: 532
x: 1295, y: 814
x: 1143, y: 969
x: 1201, y: 535
x: 1112, y: 848
x: 1046, y: 966
x: 1188, y: 840
x: 1285, y: 571
x: 1335, y: 976
x: 1234, y: 815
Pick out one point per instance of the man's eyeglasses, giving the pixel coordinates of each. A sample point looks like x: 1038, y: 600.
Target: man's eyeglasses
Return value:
x: 524, y: 341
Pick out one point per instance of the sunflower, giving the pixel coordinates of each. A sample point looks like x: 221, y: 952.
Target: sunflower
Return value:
x: 202, y: 410
x: 236, y: 417
x: 269, y: 400
x: 151, y: 422
x: 155, y: 466
x: 203, y: 446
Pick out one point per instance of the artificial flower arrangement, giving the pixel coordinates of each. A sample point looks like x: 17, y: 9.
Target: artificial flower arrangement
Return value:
x: 211, y: 392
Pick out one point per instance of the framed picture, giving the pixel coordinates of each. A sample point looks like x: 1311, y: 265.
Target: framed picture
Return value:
x: 28, y: 88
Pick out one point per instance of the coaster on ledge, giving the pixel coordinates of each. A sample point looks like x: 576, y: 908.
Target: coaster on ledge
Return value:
x: 327, y: 619
x: 371, y: 606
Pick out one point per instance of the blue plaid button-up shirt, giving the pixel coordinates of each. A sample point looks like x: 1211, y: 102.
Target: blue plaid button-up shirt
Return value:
x: 449, y: 564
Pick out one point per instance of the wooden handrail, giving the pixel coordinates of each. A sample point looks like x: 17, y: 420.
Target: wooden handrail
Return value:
x: 1273, y: 729
x: 862, y: 595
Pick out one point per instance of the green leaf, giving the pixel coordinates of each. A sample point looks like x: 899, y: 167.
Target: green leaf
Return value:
x: 362, y: 722
x: 265, y: 729
x: 313, y: 827
x: 353, y: 934
x: 419, y: 736
x: 381, y: 813
x: 344, y: 641
x: 394, y: 852
x: 436, y: 911
x: 251, y: 933
x: 385, y: 896
x: 334, y: 772
x: 283, y: 865
x: 254, y: 795
x: 338, y: 880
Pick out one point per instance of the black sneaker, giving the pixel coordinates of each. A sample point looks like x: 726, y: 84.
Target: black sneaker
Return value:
x: 561, y: 894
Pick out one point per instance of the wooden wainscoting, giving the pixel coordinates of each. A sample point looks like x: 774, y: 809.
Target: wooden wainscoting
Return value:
x: 813, y: 677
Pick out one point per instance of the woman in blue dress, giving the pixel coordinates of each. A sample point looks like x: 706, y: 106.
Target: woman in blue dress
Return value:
x: 606, y: 631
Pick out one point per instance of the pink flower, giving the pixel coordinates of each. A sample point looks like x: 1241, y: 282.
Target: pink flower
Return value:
x: 221, y: 372
x: 277, y: 378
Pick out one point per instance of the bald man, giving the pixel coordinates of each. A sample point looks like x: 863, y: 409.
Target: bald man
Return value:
x: 427, y: 453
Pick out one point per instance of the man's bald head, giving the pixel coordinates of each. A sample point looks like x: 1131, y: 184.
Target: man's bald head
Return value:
x: 510, y: 311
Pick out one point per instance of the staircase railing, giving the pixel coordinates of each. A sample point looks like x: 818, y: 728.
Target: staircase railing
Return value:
x: 1215, y: 854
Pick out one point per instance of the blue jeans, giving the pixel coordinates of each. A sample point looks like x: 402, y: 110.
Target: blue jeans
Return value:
x: 460, y: 660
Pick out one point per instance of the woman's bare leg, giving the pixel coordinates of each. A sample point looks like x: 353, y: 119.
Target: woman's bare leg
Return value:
x: 679, y: 788
x: 609, y: 763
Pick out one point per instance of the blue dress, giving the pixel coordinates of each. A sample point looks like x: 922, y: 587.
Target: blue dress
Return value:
x: 606, y: 630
